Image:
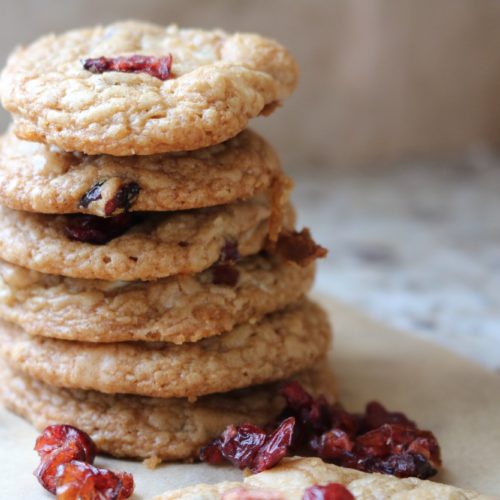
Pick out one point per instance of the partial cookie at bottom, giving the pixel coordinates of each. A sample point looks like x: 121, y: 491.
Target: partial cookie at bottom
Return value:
x: 279, y: 345
x: 140, y: 427
x: 293, y: 476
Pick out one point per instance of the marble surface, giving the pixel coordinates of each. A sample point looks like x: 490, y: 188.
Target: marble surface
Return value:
x: 416, y: 246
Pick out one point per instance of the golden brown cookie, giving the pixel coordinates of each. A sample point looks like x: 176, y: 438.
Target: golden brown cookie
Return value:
x: 274, y: 348
x: 216, y: 83
x: 140, y: 427
x: 160, y: 245
x: 182, y: 308
x: 40, y: 178
x: 289, y: 480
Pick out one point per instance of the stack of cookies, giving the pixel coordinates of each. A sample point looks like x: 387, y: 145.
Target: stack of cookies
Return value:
x: 152, y: 284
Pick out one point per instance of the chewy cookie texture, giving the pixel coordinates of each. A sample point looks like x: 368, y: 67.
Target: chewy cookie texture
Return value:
x: 151, y: 275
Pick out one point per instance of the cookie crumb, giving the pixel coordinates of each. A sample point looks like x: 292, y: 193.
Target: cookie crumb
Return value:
x: 152, y: 462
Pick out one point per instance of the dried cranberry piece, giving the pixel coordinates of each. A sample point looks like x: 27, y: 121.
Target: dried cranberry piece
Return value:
x: 49, y: 464
x: 80, y: 480
x: 54, y: 437
x: 158, y: 67
x: 330, y: 491
x: 342, y: 419
x: 249, y: 446
x: 299, y: 247
x: 93, y: 194
x: 275, y: 448
x: 240, y: 444
x: 399, y: 465
x: 332, y: 445
x: 245, y: 493
x: 123, y: 198
x: 229, y: 253
x: 225, y: 274
x: 376, y: 415
x: 296, y: 396
x: 98, y: 230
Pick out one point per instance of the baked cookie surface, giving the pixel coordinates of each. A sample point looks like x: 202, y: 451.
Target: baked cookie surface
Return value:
x: 141, y: 427
x: 218, y: 82
x: 289, y: 479
x: 182, y: 308
x: 279, y: 345
x: 163, y: 244
x: 39, y: 178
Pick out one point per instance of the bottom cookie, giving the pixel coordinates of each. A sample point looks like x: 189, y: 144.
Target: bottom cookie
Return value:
x: 142, y: 427
x: 290, y: 479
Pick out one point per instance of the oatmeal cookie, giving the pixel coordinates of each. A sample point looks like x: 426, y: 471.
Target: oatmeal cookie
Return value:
x: 279, y: 345
x: 141, y: 427
x: 182, y: 308
x: 163, y: 244
x: 39, y: 178
x: 216, y: 83
x: 289, y: 480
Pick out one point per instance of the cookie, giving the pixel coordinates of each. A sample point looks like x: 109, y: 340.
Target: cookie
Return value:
x: 162, y: 244
x: 289, y: 479
x: 279, y: 345
x: 141, y: 427
x: 182, y: 308
x: 39, y: 178
x: 216, y: 83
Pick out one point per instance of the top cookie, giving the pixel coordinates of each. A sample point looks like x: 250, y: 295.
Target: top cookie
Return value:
x: 216, y: 83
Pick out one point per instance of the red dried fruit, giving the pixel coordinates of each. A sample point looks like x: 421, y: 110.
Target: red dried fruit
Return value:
x: 82, y: 481
x: 249, y: 446
x: 376, y: 415
x: 93, y: 194
x: 225, y: 274
x: 330, y: 491
x: 123, y: 198
x: 158, y: 67
x: 229, y: 253
x: 49, y: 464
x: 299, y: 247
x: 98, y: 230
x: 245, y: 493
x: 54, y: 437
x: 275, y: 448
x: 332, y: 445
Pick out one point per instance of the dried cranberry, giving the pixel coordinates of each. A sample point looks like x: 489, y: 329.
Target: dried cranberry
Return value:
x: 275, y: 448
x: 225, y: 274
x: 158, y: 67
x: 299, y: 247
x: 93, y: 194
x: 54, y: 437
x: 296, y: 396
x: 123, y: 198
x: 49, y: 464
x: 333, y: 444
x: 98, y: 230
x: 229, y: 253
x: 79, y: 480
x: 330, y: 491
x: 249, y: 446
x: 399, y: 465
x: 376, y: 415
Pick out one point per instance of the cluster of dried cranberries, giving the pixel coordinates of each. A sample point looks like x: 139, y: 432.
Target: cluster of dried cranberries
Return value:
x: 378, y: 441
x: 66, y: 470
x: 122, y: 200
x: 159, y: 67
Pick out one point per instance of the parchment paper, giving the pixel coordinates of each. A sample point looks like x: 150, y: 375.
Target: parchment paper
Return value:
x: 455, y: 398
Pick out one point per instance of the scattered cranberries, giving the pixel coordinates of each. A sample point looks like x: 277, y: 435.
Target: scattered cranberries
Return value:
x: 248, y: 446
x: 330, y: 491
x: 378, y: 441
x: 98, y: 230
x: 66, y: 456
x: 299, y: 247
x: 158, y: 67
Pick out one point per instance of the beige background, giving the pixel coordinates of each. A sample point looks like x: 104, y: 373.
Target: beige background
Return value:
x: 381, y: 79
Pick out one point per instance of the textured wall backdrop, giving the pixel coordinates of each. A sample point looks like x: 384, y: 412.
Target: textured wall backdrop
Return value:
x: 380, y: 79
